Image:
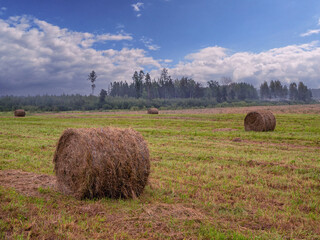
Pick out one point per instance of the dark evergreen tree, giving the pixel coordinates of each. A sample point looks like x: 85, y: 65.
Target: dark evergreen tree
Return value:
x: 155, y: 89
x: 264, y: 90
x: 137, y: 81
x: 218, y: 95
x: 304, y: 94
x: 215, y: 90
x: 148, y: 85
x: 224, y: 94
x: 141, y: 78
x: 166, y: 86
x: 102, y: 96
x: 187, y: 88
x: 293, y: 91
x: 92, y: 78
x: 232, y: 94
x: 170, y: 90
x: 199, y: 91
x: 278, y: 89
x: 309, y: 95
x: 284, y: 92
x: 242, y: 93
x: 272, y: 88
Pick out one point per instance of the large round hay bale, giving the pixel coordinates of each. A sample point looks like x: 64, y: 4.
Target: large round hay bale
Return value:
x: 260, y: 121
x: 153, y: 111
x: 101, y: 162
x: 19, y: 113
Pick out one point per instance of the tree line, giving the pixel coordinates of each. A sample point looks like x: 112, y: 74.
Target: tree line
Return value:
x: 166, y: 88
x: 49, y: 103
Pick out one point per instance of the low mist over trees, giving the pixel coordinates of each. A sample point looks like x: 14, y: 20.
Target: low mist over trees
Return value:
x: 275, y: 90
x: 315, y: 93
x: 166, y: 88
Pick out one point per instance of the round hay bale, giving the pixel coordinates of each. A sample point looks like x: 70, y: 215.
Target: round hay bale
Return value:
x: 101, y: 162
x: 19, y: 113
x: 260, y: 121
x: 153, y: 111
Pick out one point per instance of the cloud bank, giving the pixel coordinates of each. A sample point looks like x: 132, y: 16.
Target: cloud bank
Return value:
x: 288, y: 64
x: 38, y: 58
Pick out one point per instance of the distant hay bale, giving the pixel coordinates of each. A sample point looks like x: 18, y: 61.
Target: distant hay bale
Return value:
x: 153, y: 111
x: 19, y: 113
x: 101, y: 162
x: 260, y: 121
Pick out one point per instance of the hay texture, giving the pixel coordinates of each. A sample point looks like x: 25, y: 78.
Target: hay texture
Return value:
x: 260, y: 121
x: 101, y: 162
x: 19, y: 113
x: 153, y: 111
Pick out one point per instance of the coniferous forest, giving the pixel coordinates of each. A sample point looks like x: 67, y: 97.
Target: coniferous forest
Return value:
x: 164, y: 92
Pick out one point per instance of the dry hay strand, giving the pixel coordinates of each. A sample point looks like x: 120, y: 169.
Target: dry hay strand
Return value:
x: 260, y: 121
x: 19, y: 113
x: 101, y: 162
x: 153, y: 111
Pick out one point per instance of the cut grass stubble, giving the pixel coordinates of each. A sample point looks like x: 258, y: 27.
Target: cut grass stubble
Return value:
x: 203, y: 185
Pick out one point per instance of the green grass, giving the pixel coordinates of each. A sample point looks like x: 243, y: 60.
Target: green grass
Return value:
x: 203, y: 185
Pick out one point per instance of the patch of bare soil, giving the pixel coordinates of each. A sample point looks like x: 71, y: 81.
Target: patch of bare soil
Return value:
x: 237, y: 139
x: 224, y: 130
x: 26, y: 183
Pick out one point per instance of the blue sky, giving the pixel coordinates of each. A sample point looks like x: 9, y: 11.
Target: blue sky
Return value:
x: 51, y: 46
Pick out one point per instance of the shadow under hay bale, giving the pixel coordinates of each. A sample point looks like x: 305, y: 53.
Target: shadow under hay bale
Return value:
x: 260, y: 121
x: 101, y: 162
x: 19, y: 113
x: 153, y: 111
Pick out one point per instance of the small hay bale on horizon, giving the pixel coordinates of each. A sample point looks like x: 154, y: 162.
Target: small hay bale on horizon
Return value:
x: 19, y: 113
x: 260, y: 121
x: 153, y: 111
x: 101, y: 162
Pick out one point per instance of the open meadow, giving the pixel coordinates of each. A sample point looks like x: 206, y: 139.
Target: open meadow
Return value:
x: 210, y: 179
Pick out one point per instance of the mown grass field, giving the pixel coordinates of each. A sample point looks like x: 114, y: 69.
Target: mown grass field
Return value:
x: 209, y: 178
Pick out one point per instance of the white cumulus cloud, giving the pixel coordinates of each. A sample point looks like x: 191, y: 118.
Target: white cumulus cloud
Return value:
x: 148, y: 42
x: 137, y: 8
x: 288, y: 64
x: 310, y: 32
x: 37, y: 57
